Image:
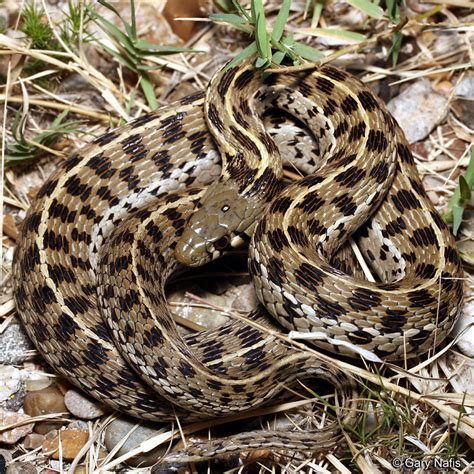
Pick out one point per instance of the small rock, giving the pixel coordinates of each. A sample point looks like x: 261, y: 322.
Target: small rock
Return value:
x: 22, y: 468
x: 33, y: 441
x: 418, y: 110
x: 245, y: 297
x: 83, y: 407
x: 466, y: 340
x: 465, y: 87
x: 72, y: 441
x: 44, y: 402
x: 81, y: 469
x: 120, y: 429
x: 14, y: 345
x: 37, y: 381
x: 12, y: 390
x: 13, y: 435
x: 5, y: 459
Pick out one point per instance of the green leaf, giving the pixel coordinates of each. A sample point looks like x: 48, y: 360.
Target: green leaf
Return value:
x: 146, y: 46
x: 116, y: 34
x: 393, y: 9
x: 261, y: 37
x: 244, y: 54
x: 461, y: 195
x: 465, y: 189
x: 241, y: 10
x: 257, y: 10
x: 121, y: 58
x: 225, y: 5
x: 318, y: 8
x: 367, y: 7
x: 469, y: 174
x: 232, y: 19
x: 349, y: 36
x: 278, y: 57
x: 307, y: 52
x: 128, y: 28
x: 149, y: 92
x: 396, y: 45
x: 261, y: 62
x: 133, y: 28
x: 458, y: 211
x: 288, y: 40
x: 281, y: 20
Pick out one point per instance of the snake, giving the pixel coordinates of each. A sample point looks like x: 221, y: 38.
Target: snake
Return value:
x: 190, y: 181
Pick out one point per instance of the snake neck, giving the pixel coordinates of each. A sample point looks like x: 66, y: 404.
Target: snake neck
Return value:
x: 234, y: 108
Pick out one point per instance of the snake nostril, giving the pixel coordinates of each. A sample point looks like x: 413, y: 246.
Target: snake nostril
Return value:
x: 222, y: 243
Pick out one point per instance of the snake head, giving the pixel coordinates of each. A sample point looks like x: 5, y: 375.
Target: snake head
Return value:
x: 217, y: 225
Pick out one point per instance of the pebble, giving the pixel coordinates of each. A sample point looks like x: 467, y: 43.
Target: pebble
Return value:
x: 245, y: 297
x: 83, y: 407
x: 12, y: 392
x: 120, y: 429
x: 465, y: 342
x: 44, y: 402
x: 5, y: 459
x: 14, y: 345
x: 13, y: 435
x: 418, y: 110
x: 72, y: 441
x: 21, y: 468
x: 465, y: 87
x: 462, y: 105
x: 33, y: 441
x: 37, y: 381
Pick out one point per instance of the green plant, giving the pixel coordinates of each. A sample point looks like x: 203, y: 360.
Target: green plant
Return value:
x: 37, y: 29
x: 74, y: 27
x: 131, y: 51
x: 270, y: 48
x: 461, y: 196
x: 27, y: 149
x: 393, y: 12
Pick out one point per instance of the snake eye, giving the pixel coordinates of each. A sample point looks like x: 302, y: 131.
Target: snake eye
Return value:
x: 222, y: 243
x: 225, y: 208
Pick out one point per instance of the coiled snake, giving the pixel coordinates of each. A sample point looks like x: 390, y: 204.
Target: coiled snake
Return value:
x: 108, y: 228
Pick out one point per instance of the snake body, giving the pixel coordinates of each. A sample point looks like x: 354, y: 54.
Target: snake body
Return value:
x: 108, y: 228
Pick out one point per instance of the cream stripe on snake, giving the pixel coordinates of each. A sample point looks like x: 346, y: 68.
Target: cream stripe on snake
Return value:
x: 104, y: 232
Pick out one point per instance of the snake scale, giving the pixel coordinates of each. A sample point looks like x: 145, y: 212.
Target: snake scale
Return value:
x: 120, y: 216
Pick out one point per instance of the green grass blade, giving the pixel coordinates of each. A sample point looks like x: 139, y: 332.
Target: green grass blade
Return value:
x: 318, y: 8
x: 465, y: 189
x: 461, y: 195
x: 278, y: 57
x: 127, y: 27
x: 307, y: 52
x: 148, y: 47
x: 147, y: 88
x: 250, y: 50
x: 121, y: 58
x: 458, y: 212
x: 261, y: 37
x: 115, y: 33
x: 350, y: 36
x: 133, y: 27
x: 232, y: 19
x: 281, y: 20
x: 257, y: 10
x: 367, y: 7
